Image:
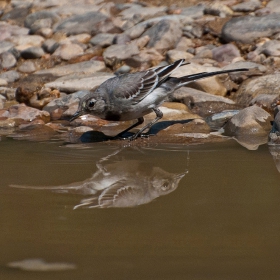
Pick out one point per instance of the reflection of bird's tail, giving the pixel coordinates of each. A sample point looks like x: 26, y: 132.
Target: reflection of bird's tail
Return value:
x: 182, y: 81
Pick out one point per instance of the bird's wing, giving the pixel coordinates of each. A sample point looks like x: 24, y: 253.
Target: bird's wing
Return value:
x: 137, y: 86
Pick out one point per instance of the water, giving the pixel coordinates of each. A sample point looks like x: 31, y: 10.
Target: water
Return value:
x: 204, y: 212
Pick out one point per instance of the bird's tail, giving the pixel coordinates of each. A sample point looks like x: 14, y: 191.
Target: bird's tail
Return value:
x: 182, y: 81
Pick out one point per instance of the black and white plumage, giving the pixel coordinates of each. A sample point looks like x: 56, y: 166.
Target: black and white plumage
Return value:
x: 132, y: 96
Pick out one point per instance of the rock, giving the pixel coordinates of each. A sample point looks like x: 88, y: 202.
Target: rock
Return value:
x: 87, y: 67
x: 121, y: 39
x: 103, y: 39
x: 27, y: 67
x: 164, y: 35
x: 7, y: 60
x: 32, y: 52
x: 25, y: 41
x: 196, y: 11
x: 73, y: 84
x: 141, y: 42
x: 5, y: 46
x: 8, y: 93
x: 50, y: 46
x: 64, y: 107
x: 136, y: 31
x: 9, y: 31
x: 193, y: 126
x: 267, y: 102
x: 142, y: 12
x: 44, y: 96
x: 248, y: 6
x: 218, y: 9
x: 251, y: 88
x: 274, y: 135
x: 16, y: 15
x: 68, y: 51
x: 273, y: 6
x: 91, y: 22
x: 202, y: 103
x: 115, y: 54
x: 247, y: 29
x: 10, y: 76
x: 250, y: 127
x: 24, y: 114
x: 218, y: 120
x: 41, y: 19
x: 270, y: 48
x: 123, y: 70
x: 2, y: 102
x: 225, y: 53
x: 174, y: 55
x: 211, y: 85
x: 184, y: 44
x: 79, y: 38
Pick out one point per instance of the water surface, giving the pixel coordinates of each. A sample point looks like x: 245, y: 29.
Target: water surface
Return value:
x: 204, y: 212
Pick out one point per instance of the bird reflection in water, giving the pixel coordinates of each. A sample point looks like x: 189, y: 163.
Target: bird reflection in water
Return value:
x: 118, y: 182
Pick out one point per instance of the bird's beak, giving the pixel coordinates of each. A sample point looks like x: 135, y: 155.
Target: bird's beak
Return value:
x: 76, y: 115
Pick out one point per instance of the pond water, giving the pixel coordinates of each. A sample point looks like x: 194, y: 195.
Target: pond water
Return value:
x: 102, y: 211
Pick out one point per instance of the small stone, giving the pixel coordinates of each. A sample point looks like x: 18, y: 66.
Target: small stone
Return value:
x: 10, y: 76
x: 3, y: 83
x: 174, y: 55
x: 25, y: 41
x: 141, y: 42
x: 5, y: 46
x: 270, y: 48
x: 103, y: 39
x: 248, y: 6
x: 123, y: 69
x: 27, y: 67
x: 32, y: 52
x: 121, y: 39
x: 218, y: 120
x: 50, y: 46
x: 7, y: 60
x: 226, y: 53
x: 68, y: 51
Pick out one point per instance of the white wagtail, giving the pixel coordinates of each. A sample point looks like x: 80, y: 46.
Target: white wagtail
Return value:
x: 132, y: 96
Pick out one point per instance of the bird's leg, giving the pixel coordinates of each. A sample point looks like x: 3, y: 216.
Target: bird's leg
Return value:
x: 159, y: 115
x: 139, y: 121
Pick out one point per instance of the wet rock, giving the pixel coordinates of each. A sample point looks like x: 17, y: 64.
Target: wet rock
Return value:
x: 247, y: 29
x: 211, y: 85
x: 91, y: 23
x: 87, y: 67
x: 115, y: 54
x: 251, y: 88
x: 174, y: 55
x: 217, y: 121
x: 10, y: 76
x: 64, y: 107
x: 27, y: 67
x: 50, y: 46
x: 5, y: 46
x: 103, y: 39
x: 164, y: 35
x: 32, y: 52
x: 266, y: 101
x: 202, y: 103
x: 7, y: 60
x: 250, y: 127
x: 225, y: 53
x: 193, y: 126
x: 68, y: 51
x: 24, y: 114
x: 41, y: 19
x: 74, y: 83
x: 248, y: 6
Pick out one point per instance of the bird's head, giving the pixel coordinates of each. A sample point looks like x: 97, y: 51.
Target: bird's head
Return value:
x: 90, y: 104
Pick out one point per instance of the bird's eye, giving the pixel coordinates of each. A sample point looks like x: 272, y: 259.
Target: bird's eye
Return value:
x: 91, y: 104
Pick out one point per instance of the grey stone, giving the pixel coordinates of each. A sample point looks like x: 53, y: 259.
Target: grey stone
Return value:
x: 32, y: 52
x: 218, y: 9
x: 173, y: 55
x: 68, y: 51
x: 16, y: 15
x: 73, y: 84
x: 26, y: 41
x: 121, y: 39
x: 273, y: 6
x: 103, y: 39
x: 5, y: 46
x: 41, y: 19
x: 217, y: 121
x: 251, y: 88
x: 225, y: 53
x: 27, y: 67
x: 248, y: 6
x: 3, y: 83
x: 64, y: 107
x: 8, y: 31
x: 164, y: 35
x: 266, y: 101
x: 50, y: 45
x: 92, y: 23
x: 249, y: 28
x: 7, y: 60
x: 270, y: 48
x: 10, y: 76
x: 115, y: 54
x: 196, y: 11
x: 8, y: 92
x: 87, y: 67
x: 136, y: 31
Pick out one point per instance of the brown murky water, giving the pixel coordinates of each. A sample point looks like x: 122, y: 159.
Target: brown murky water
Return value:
x: 204, y: 212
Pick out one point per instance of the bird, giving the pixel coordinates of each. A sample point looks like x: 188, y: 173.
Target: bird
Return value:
x: 133, y: 95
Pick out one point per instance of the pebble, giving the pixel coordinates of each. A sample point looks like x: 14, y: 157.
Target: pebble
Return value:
x: 68, y: 51
x: 103, y: 39
x: 10, y: 76
x: 32, y: 52
x: 7, y: 61
x: 27, y: 67
x: 225, y: 53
